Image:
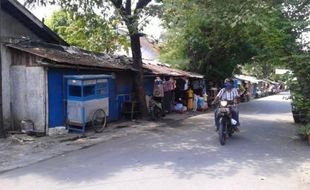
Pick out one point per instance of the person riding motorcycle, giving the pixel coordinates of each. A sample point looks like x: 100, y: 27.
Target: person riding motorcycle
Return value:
x: 229, y: 93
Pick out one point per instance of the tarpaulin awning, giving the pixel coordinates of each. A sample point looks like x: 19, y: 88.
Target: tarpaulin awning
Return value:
x: 247, y: 78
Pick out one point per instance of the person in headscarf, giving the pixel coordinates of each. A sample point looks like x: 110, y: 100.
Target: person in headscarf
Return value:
x: 230, y: 94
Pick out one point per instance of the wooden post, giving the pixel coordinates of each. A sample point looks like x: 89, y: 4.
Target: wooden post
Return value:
x: 2, y: 131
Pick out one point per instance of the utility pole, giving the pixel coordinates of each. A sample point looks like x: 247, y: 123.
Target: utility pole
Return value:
x: 2, y: 131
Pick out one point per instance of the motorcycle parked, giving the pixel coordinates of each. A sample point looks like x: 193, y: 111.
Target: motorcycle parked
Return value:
x: 155, y: 109
x: 225, y: 121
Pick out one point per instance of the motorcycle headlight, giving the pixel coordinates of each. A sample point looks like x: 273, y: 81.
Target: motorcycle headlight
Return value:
x: 224, y: 103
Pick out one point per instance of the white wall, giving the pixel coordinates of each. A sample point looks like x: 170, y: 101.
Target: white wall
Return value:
x: 28, y: 95
x: 10, y: 28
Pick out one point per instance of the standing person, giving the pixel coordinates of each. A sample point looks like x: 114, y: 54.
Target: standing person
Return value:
x: 230, y: 94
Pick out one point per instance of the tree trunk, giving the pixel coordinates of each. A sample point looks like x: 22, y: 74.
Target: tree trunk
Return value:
x: 138, y: 78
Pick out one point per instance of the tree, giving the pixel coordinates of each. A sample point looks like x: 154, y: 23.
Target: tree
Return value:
x: 131, y: 19
x: 90, y: 32
x: 297, y: 12
x: 131, y: 13
x: 213, y: 37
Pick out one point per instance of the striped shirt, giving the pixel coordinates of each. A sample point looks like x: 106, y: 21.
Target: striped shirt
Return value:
x: 228, y: 95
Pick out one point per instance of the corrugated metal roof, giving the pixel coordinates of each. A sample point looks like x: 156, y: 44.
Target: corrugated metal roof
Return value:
x: 164, y: 69
x: 74, y: 56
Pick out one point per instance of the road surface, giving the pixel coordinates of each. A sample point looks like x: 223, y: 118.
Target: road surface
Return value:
x: 266, y: 154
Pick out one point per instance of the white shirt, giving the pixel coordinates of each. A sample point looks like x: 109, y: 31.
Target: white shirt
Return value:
x: 228, y: 95
x: 186, y: 84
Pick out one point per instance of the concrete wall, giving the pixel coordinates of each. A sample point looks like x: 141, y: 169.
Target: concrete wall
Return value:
x: 28, y: 95
x: 10, y: 28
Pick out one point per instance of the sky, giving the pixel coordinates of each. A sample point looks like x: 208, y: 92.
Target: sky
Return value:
x: 153, y: 29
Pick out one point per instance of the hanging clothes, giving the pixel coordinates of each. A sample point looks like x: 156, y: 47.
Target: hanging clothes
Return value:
x: 167, y: 85
x: 158, y: 90
x: 173, y: 82
x: 173, y: 89
x: 186, y: 85
x: 167, y: 100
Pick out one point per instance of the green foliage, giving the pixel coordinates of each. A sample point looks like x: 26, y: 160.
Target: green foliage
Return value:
x: 208, y: 34
x: 213, y: 36
x: 299, y: 82
x: 132, y: 14
x: 88, y: 31
x: 304, y: 130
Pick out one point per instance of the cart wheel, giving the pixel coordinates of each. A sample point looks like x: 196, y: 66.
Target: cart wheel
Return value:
x: 99, y: 120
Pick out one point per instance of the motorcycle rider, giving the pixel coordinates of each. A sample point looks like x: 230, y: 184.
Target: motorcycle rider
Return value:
x: 229, y: 93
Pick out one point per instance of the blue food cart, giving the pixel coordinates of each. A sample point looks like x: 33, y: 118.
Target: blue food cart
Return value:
x: 87, y: 101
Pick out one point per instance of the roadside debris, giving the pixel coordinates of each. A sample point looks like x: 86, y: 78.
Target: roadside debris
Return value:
x: 20, y: 139
x: 73, y: 138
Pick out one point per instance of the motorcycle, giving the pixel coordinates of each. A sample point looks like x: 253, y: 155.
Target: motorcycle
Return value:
x: 226, y: 122
x: 155, y: 109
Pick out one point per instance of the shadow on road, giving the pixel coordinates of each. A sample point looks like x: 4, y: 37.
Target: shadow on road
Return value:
x: 266, y: 147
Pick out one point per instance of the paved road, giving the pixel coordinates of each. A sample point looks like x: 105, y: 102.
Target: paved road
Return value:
x: 184, y: 155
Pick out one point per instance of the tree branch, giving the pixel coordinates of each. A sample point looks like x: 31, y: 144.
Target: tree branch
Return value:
x: 117, y: 3
x: 128, y: 7
x: 141, y: 4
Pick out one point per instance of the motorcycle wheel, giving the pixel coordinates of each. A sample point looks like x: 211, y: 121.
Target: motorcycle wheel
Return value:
x: 222, y: 134
x: 230, y: 131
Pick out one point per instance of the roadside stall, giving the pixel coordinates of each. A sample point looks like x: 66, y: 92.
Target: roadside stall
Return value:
x: 273, y: 87
x: 87, y: 101
x: 246, y: 84
x: 179, y: 86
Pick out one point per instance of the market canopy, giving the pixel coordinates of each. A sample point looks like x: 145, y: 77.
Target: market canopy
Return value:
x: 272, y: 82
x: 158, y: 68
x: 246, y: 78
